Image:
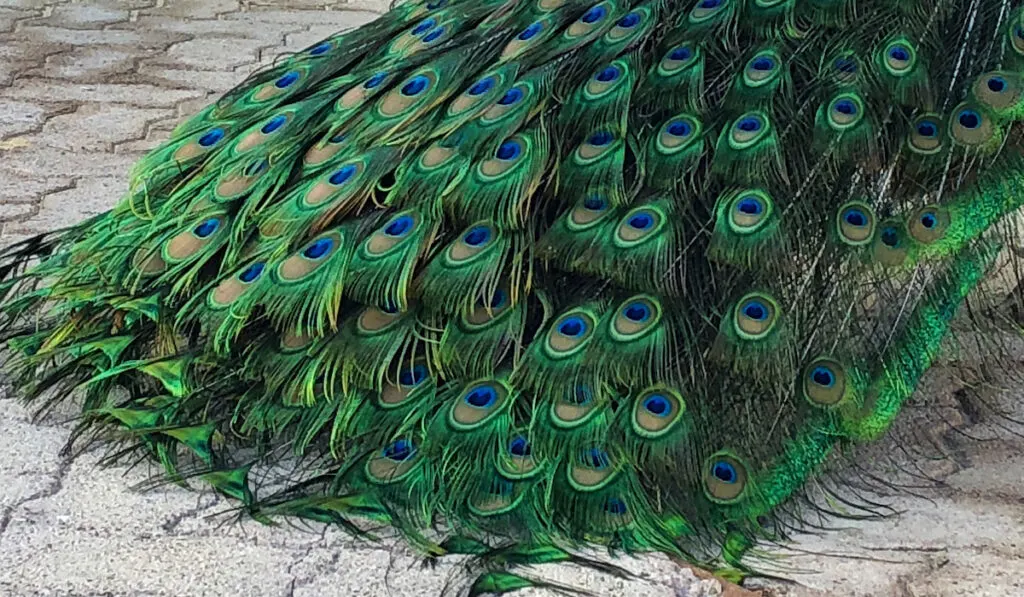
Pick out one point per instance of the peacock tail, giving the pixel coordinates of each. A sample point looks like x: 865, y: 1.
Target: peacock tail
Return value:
x: 518, y: 277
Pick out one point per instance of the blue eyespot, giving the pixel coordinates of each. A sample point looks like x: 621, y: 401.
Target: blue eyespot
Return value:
x: 629, y: 21
x: 436, y: 4
x: 477, y: 236
x: 595, y: 203
x: 756, y: 310
x: 601, y: 138
x: 845, y: 106
x: 511, y: 96
x: 319, y: 248
x: 637, y: 312
x: 679, y: 128
x: 274, y: 124
x: 823, y: 376
x: 641, y: 221
x: 252, y: 273
x: 1019, y: 31
x: 482, y: 86
x: 594, y: 15
x: 710, y: 3
x: 519, y: 447
x: 433, y: 35
x: 531, y: 31
x: 681, y: 54
x: 749, y: 124
x: 573, y: 327
x: 724, y: 472
x: 615, y: 506
x: 969, y: 119
x: 658, y: 405
x: 596, y: 458
x: 424, y: 26
x: 890, y: 237
x: 509, y: 150
x: 609, y: 73
x: 415, y: 86
x: 927, y: 129
x: 320, y: 49
x: 899, y: 53
x: 498, y: 300
x: 846, y: 65
x: 855, y: 217
x: 256, y: 167
x: 400, y: 451
x: 375, y: 80
x: 399, y: 226
x: 763, y: 63
x: 928, y: 220
x: 996, y: 84
x: 212, y: 137
x: 750, y: 206
x: 482, y: 397
x: 288, y: 79
x: 207, y: 228
x: 413, y: 376
x: 581, y: 394
x: 343, y: 174
x: 389, y: 308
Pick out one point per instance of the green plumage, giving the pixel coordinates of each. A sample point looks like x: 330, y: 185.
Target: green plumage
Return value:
x: 517, y: 277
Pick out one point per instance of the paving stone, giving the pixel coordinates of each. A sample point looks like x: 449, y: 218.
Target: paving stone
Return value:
x: 55, y: 90
x: 98, y: 127
x: 89, y: 64
x: 82, y: 16
x: 192, y: 9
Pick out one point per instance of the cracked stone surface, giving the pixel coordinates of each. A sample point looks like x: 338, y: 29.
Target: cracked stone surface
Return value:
x: 85, y: 88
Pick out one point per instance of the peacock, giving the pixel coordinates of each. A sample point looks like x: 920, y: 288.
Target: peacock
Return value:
x: 516, y: 279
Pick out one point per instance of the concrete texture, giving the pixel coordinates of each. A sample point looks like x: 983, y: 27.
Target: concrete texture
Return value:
x: 85, y: 88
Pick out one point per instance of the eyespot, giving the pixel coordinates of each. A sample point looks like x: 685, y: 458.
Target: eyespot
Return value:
x: 899, y: 58
x: 593, y: 469
x: 597, y: 145
x: 928, y: 224
x: 629, y: 21
x: 274, y: 124
x: 495, y: 497
x: 509, y: 150
x: 706, y: 10
x: 415, y: 86
x: 393, y: 463
x: 845, y: 69
x: 487, y: 310
x: 755, y: 317
x: 570, y: 334
x: 471, y: 245
x: 518, y: 461
x: 478, y: 404
x: 639, y: 225
x: 845, y: 112
x: 594, y: 15
x: 750, y: 211
x: 824, y: 382
x: 482, y: 86
x: 725, y: 479
x: 288, y: 79
x: 573, y: 409
x: 530, y: 37
x: 1016, y: 33
x: 343, y: 174
x: 424, y: 26
x: 252, y: 273
x: 657, y: 411
x: 591, y: 211
x: 510, y: 154
x: 748, y: 130
x: 531, y: 31
x: 207, y: 228
x: 890, y: 246
x: 375, y: 80
x: 320, y: 49
x: 924, y: 135
x: 678, y: 59
x: 390, y: 237
x: 374, y: 321
x: 434, y: 35
x: 636, y: 317
x: 972, y: 127
x: 605, y: 81
x: 678, y: 133
x: 212, y: 137
x: 998, y: 91
x: 761, y: 70
x: 511, y: 96
x: 309, y: 259
x: 855, y: 223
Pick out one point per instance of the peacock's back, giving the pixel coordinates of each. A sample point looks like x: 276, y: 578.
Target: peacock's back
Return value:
x: 517, y: 276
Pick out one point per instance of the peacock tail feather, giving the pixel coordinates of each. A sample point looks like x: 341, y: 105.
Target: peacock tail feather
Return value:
x: 517, y: 277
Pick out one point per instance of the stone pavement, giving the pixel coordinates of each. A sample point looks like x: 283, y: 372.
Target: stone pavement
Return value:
x: 85, y: 88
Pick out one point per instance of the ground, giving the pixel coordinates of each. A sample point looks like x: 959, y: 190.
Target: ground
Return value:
x: 85, y: 88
